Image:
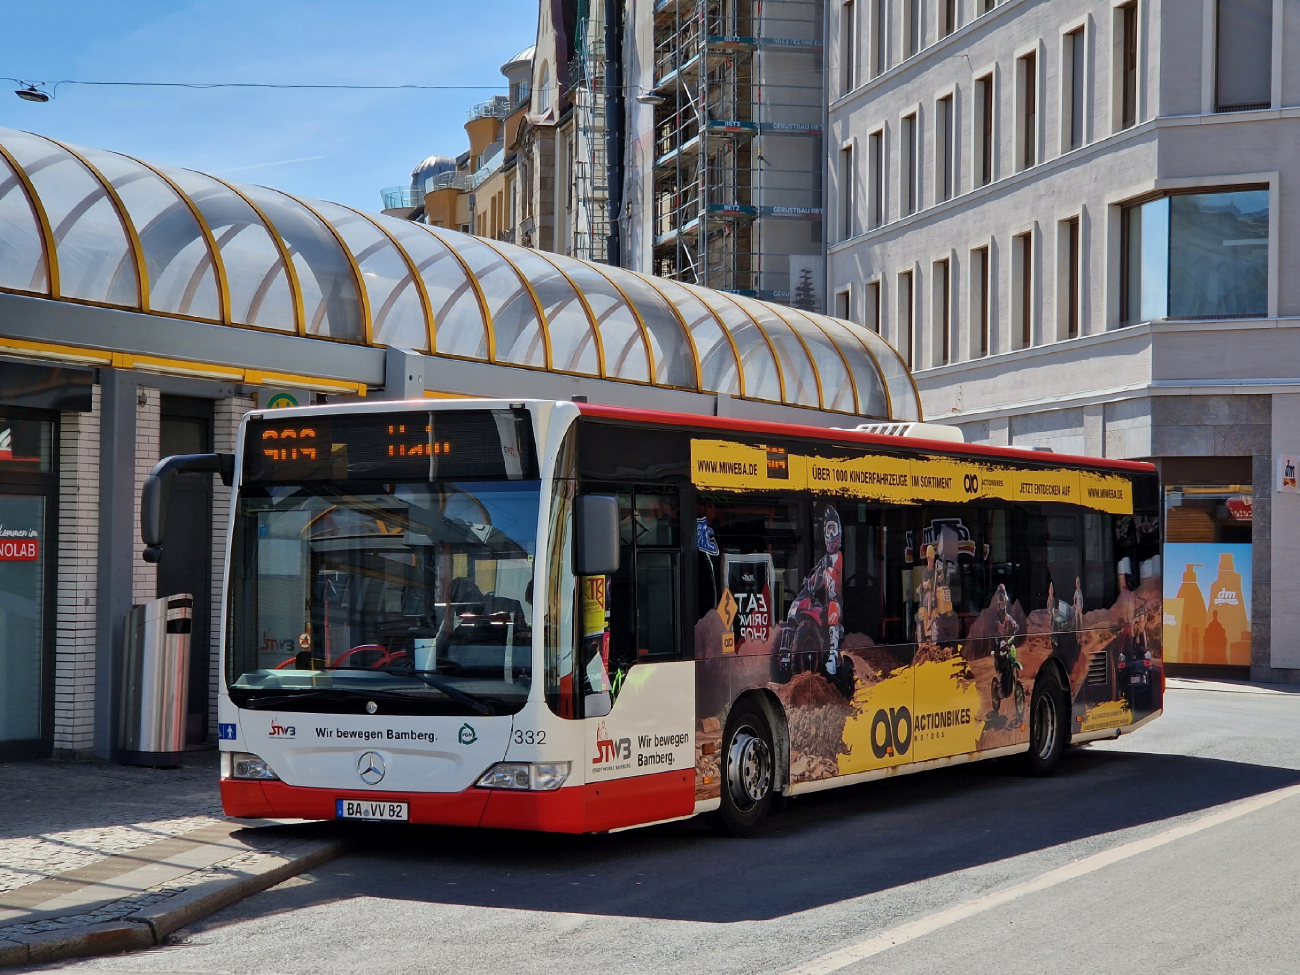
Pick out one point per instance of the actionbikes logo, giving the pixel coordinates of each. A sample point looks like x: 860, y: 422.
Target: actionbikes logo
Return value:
x: 942, y: 719
x: 282, y: 730
x: 891, y: 732
x: 971, y: 484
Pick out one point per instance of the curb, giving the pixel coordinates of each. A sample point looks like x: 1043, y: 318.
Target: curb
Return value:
x: 150, y: 927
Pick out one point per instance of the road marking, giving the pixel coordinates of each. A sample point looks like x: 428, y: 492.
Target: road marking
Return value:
x: 841, y: 958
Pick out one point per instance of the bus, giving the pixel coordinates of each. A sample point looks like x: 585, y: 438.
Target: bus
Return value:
x: 570, y: 617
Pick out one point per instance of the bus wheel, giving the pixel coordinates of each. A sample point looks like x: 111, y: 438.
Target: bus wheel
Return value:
x: 1047, y: 725
x: 748, y: 770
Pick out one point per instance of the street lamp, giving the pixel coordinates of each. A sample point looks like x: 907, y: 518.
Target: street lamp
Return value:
x: 31, y: 93
x: 650, y: 98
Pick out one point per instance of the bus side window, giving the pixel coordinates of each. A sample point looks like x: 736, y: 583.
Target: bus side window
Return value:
x: 863, y: 568
x: 645, y: 590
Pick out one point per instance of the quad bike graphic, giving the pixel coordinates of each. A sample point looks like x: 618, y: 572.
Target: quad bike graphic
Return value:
x: 1006, y: 681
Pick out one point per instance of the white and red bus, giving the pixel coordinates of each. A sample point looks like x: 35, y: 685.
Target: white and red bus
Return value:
x: 569, y: 617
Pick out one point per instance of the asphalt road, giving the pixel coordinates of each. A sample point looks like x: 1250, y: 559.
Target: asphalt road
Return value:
x: 1141, y: 856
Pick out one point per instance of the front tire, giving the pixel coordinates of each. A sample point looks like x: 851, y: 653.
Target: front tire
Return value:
x: 748, y: 770
x: 1048, y: 726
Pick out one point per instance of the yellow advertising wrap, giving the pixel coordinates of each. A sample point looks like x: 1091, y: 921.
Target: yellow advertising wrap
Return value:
x: 726, y: 466
x: 949, y: 716
x: 880, y: 731
x: 1109, y: 714
x: 721, y: 464
x: 1106, y: 492
x: 871, y: 478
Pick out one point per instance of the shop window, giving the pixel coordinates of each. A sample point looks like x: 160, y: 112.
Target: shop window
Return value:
x: 26, y: 445
x: 1195, y: 256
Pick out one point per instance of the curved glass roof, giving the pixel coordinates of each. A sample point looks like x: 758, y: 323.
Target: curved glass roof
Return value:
x: 103, y: 228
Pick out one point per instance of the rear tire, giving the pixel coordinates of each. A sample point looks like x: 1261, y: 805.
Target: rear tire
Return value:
x: 1048, y: 725
x: 748, y: 771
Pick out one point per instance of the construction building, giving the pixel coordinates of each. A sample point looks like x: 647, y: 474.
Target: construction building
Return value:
x: 725, y: 183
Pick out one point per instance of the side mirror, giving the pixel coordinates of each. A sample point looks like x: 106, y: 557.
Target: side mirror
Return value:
x: 595, y: 549
x: 157, y: 489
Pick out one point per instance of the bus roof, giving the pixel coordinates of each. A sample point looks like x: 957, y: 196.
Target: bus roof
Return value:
x: 734, y: 425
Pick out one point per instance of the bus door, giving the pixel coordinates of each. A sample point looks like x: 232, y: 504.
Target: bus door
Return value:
x: 640, y: 705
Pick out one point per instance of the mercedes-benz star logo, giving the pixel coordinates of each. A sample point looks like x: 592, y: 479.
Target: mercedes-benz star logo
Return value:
x: 371, y: 768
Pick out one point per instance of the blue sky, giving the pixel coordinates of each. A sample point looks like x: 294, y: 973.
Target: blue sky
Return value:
x: 334, y: 145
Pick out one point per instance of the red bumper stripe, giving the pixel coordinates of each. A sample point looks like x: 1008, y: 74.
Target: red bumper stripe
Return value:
x: 580, y: 809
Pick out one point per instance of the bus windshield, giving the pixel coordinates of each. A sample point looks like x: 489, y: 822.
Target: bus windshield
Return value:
x: 398, y: 598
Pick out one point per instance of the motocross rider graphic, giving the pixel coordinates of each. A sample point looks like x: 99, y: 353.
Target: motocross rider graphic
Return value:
x: 824, y: 587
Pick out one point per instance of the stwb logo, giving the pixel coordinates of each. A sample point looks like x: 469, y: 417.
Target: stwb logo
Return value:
x: 282, y: 730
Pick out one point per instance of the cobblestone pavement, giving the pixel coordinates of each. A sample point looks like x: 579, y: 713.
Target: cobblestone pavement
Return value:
x: 61, y: 816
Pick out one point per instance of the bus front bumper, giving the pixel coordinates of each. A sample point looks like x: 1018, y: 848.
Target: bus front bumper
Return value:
x: 590, y: 808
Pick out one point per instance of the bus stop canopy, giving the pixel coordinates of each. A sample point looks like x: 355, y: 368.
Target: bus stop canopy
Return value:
x: 96, y: 227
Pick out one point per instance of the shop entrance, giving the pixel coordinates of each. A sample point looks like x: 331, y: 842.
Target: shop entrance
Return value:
x: 28, y: 512
x: 186, y: 564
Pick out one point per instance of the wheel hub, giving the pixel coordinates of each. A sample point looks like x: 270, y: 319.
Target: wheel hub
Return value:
x: 749, y: 768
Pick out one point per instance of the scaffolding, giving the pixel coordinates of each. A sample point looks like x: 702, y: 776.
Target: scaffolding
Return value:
x: 590, y: 155
x: 738, y: 155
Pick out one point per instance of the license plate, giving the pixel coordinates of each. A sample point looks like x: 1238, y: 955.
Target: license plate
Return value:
x: 1138, y: 679
x: 372, y: 809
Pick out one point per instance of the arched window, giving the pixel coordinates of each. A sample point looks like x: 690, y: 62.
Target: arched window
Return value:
x: 544, y: 90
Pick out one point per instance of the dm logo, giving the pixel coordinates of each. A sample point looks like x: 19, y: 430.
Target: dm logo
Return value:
x: 282, y: 400
x: 467, y: 735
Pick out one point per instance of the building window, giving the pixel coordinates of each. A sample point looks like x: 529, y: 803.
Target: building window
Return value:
x: 1243, y: 58
x: 846, y: 192
x: 911, y: 27
x: 1027, y: 102
x: 848, y: 46
x: 1126, y: 23
x: 1072, y: 97
x: 876, y: 161
x: 844, y: 305
x: 872, y: 308
x: 909, y: 165
x: 947, y: 17
x: 906, y: 309
x: 1023, y: 285
x: 944, y: 126
x: 984, y: 130
x: 980, y: 281
x: 544, y: 89
x: 942, y: 312
x: 879, y: 34
x: 1070, y: 270
x: 1195, y: 255
x: 986, y: 6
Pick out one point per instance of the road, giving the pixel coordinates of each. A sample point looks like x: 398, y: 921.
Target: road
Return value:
x: 1141, y: 856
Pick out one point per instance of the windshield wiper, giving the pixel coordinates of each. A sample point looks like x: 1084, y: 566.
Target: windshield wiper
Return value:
x: 477, y: 705
x: 311, y: 693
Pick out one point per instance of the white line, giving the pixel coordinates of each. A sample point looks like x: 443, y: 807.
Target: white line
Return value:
x: 833, y: 961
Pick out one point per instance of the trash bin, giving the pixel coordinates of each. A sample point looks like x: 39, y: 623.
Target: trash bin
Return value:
x: 155, y: 682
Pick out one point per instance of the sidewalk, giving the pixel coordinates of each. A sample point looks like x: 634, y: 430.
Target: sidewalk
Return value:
x: 96, y: 858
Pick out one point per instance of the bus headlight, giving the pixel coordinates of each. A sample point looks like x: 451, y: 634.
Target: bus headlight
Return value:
x: 525, y: 776
x: 244, y: 765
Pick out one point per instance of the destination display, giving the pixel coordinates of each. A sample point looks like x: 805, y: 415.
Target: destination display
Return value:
x: 727, y: 466
x: 453, y: 445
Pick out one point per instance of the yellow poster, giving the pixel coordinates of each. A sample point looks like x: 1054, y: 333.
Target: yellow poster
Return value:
x: 1109, y: 714
x: 1059, y: 486
x: 872, y: 478
x: 733, y: 466
x: 880, y: 732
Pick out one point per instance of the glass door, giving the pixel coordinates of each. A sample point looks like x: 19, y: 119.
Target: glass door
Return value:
x: 27, y: 553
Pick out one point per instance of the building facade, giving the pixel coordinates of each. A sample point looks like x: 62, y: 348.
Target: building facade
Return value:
x: 1071, y: 218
